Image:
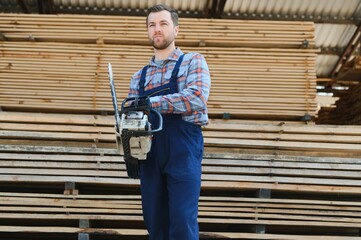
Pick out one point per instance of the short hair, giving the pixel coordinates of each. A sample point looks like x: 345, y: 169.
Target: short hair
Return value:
x: 162, y: 7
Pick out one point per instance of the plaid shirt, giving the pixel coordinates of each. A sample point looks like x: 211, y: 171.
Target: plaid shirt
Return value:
x: 193, y: 85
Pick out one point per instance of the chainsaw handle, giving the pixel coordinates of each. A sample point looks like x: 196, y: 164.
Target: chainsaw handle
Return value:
x: 142, y: 103
x: 160, y: 122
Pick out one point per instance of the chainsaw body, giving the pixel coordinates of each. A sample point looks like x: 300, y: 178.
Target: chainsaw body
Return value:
x: 135, y: 133
x: 131, y: 124
x: 133, y: 129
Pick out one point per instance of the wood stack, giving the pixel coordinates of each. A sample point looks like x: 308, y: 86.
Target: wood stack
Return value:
x: 239, y: 155
x: 125, y: 30
x: 347, y: 110
x: 36, y: 131
x: 45, y: 151
x: 259, y: 69
x: 120, y: 216
x: 283, y: 138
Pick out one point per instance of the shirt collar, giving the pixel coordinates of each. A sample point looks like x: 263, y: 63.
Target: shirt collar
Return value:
x: 172, y: 57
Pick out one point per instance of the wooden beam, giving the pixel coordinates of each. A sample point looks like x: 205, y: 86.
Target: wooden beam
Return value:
x: 351, y: 47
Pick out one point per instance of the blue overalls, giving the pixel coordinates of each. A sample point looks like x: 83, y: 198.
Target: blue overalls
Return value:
x: 171, y: 175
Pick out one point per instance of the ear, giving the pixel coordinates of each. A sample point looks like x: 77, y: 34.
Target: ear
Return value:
x: 176, y: 30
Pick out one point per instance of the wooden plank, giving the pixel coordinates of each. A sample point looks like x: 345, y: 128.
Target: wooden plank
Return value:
x: 280, y: 127
x: 17, y: 127
x: 281, y: 145
x: 201, y: 220
x: 280, y: 236
x: 275, y: 163
x: 63, y: 157
x: 34, y: 229
x: 58, y: 136
x: 283, y: 137
x: 136, y: 232
x: 251, y: 185
x: 58, y: 149
x: 22, y: 166
x: 76, y: 119
x: 62, y: 179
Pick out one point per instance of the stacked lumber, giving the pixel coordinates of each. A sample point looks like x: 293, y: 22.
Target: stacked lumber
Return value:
x: 68, y: 76
x: 347, y: 110
x: 245, y: 155
x: 90, y: 134
x: 216, y: 215
x: 41, y: 150
x: 324, y: 115
x: 238, y: 172
x: 256, y: 73
x: 97, y: 132
x: 126, y: 29
x: 283, y: 137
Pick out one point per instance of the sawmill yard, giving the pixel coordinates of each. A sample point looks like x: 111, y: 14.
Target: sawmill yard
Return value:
x: 277, y: 164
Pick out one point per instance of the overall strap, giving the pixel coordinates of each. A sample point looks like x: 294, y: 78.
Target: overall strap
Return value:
x: 173, y: 76
x: 142, y: 79
x: 176, y: 67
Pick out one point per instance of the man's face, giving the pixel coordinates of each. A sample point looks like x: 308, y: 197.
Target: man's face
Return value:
x: 161, y: 30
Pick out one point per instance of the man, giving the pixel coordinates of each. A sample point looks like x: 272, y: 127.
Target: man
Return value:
x: 178, y: 86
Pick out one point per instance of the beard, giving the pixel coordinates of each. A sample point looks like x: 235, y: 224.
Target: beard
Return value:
x: 162, y: 43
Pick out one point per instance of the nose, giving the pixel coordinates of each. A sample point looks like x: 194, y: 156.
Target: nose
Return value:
x: 157, y: 28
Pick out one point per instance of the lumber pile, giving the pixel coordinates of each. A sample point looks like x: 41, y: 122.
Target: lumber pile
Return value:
x: 75, y: 77
x: 258, y: 69
x: 347, y: 110
x: 242, y: 171
x: 126, y: 29
x: 120, y: 215
x: 283, y: 137
x: 96, y: 132
x: 239, y: 154
x: 39, y: 152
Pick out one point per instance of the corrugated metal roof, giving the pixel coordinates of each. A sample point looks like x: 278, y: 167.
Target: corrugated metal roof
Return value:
x: 184, y: 5
x: 317, y: 8
x: 323, y: 63
x: 327, y: 37
x: 333, y: 35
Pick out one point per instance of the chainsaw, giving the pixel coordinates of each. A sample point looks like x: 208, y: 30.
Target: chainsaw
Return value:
x: 133, y: 129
